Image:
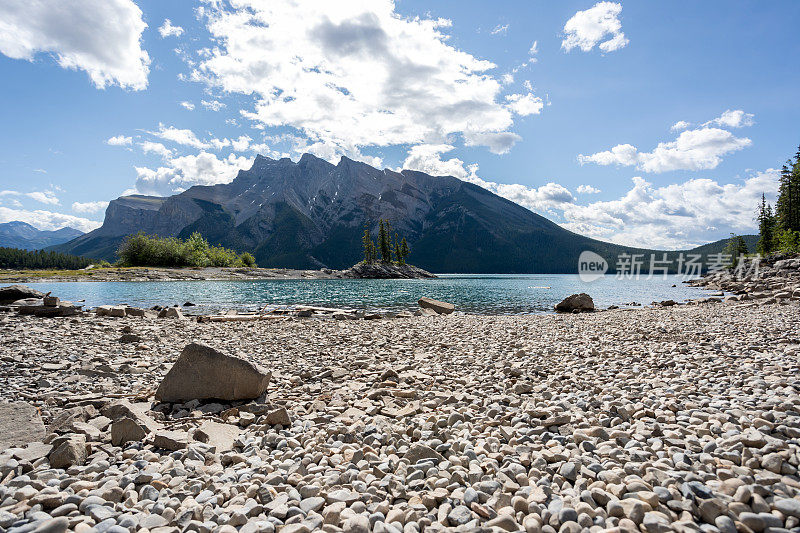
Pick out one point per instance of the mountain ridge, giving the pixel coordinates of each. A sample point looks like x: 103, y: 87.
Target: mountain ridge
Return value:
x: 18, y: 234
x: 311, y: 214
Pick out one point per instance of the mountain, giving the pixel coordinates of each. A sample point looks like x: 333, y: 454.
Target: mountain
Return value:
x: 21, y: 235
x: 717, y: 247
x: 311, y: 214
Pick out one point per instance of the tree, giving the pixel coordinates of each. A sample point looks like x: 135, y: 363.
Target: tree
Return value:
x: 383, y: 242
x: 369, y: 246
x: 784, y: 205
x: 736, y: 248
x: 766, y: 227
x: 404, y: 251
x: 396, y: 249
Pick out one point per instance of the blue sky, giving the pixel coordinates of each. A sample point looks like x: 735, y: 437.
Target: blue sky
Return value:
x: 647, y: 123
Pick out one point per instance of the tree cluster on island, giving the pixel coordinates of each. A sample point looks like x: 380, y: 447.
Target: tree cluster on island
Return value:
x: 779, y: 227
x: 388, y: 250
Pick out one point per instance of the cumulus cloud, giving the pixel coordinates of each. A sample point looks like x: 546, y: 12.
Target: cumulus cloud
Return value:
x: 100, y: 37
x: 47, y: 220
x: 697, y: 149
x: 588, y: 189
x: 680, y: 125
x: 184, y: 137
x: 675, y: 216
x: 733, y: 118
x: 44, y: 197
x: 187, y: 105
x: 358, y: 75
x: 524, y: 104
x: 182, y: 172
x: 597, y: 26
x: 89, y: 207
x: 119, y: 140
x: 168, y: 30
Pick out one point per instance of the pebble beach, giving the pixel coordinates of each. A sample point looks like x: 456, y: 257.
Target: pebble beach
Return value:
x: 679, y: 418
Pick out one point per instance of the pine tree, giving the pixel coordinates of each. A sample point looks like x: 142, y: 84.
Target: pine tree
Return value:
x: 383, y: 242
x: 787, y: 206
x: 735, y: 248
x: 396, y: 249
x: 369, y: 246
x: 766, y: 227
x: 404, y: 251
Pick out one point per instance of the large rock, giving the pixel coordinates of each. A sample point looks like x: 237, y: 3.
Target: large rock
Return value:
x: 68, y: 451
x: 201, y: 372
x: 12, y: 293
x: 443, y: 308
x: 220, y: 436
x: 20, y: 424
x: 577, y: 302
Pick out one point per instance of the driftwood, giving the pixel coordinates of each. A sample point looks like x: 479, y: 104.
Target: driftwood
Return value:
x: 237, y: 318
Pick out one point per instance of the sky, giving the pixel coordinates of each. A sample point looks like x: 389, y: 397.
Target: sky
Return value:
x: 655, y: 124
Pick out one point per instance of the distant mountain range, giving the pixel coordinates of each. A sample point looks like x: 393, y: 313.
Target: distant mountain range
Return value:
x: 22, y: 235
x: 311, y: 214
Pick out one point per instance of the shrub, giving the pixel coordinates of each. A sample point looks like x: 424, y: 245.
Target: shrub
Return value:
x: 788, y: 241
x: 150, y: 250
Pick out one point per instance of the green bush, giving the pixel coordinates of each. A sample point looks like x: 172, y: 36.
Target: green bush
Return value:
x: 150, y: 250
x: 788, y: 241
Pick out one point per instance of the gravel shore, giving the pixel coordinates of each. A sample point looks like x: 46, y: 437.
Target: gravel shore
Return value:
x: 683, y: 418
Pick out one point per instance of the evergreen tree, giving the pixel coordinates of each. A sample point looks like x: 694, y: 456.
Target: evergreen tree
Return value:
x: 15, y: 258
x: 404, y: 251
x: 396, y: 249
x: 766, y: 227
x: 369, y: 246
x: 383, y: 242
x: 735, y: 248
x: 787, y: 205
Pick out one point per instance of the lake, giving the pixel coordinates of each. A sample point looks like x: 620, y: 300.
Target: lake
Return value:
x: 476, y: 293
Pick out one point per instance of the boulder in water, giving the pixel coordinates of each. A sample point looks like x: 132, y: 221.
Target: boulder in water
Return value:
x: 202, y: 372
x: 577, y: 302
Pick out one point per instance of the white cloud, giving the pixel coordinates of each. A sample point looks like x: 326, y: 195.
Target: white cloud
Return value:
x: 358, y: 75
x: 697, y: 149
x: 179, y: 136
x: 119, y: 140
x: 588, y: 189
x: 185, y: 171
x: 524, y: 104
x: 534, y: 49
x: 586, y: 29
x: 168, y: 30
x: 675, y: 216
x: 733, y: 118
x: 89, y: 207
x: 45, y: 197
x: 187, y: 105
x: 213, y: 105
x: 500, y: 29
x: 101, y: 37
x: 47, y: 220
x: 150, y: 147
x: 680, y: 125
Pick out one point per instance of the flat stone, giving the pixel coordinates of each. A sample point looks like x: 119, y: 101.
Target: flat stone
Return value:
x: 12, y: 293
x: 20, y: 424
x: 220, y: 436
x: 171, y: 440
x: 421, y: 451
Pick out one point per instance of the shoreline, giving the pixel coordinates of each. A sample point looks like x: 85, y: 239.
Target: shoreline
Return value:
x: 657, y: 414
x: 140, y: 274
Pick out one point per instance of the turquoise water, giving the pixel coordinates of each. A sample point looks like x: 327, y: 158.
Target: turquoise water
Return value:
x: 477, y: 293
